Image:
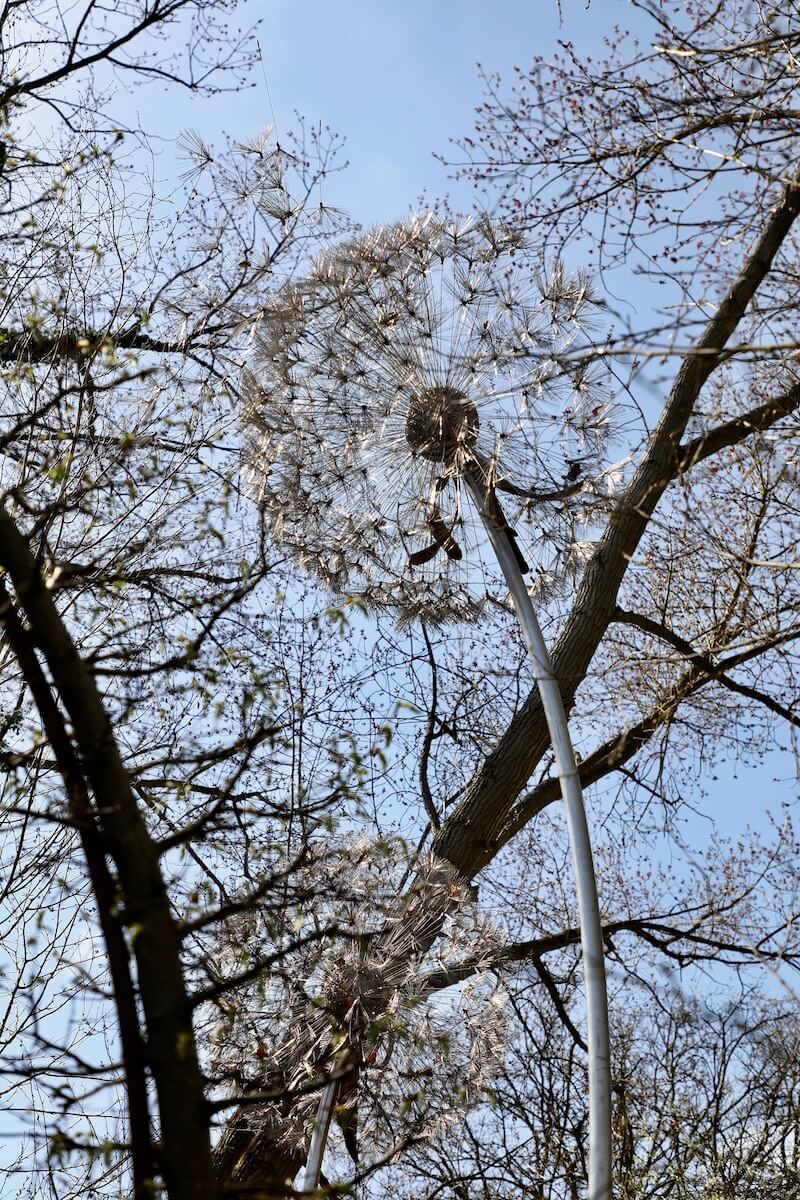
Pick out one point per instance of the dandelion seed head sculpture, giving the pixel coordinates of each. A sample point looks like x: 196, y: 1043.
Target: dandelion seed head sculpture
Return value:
x: 374, y: 997
x: 407, y: 360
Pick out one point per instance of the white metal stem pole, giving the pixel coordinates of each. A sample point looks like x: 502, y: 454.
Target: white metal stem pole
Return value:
x: 580, y: 845
x: 319, y: 1137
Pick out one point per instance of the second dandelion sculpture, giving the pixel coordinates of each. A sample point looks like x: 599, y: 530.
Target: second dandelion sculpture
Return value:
x: 417, y: 395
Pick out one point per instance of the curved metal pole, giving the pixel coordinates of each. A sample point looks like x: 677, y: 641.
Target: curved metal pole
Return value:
x: 586, y: 887
x: 580, y: 845
x: 319, y: 1137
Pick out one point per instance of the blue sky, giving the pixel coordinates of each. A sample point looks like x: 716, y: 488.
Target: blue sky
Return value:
x: 399, y: 81
x: 396, y: 80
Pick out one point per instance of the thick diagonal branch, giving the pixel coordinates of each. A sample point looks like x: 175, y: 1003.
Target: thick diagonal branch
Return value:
x: 619, y: 749
x: 469, y: 838
x: 757, y: 419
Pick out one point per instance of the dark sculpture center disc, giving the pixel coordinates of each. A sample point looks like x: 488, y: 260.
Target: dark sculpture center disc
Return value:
x: 441, y: 423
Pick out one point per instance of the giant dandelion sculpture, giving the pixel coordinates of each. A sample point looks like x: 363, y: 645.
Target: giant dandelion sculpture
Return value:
x: 413, y: 400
